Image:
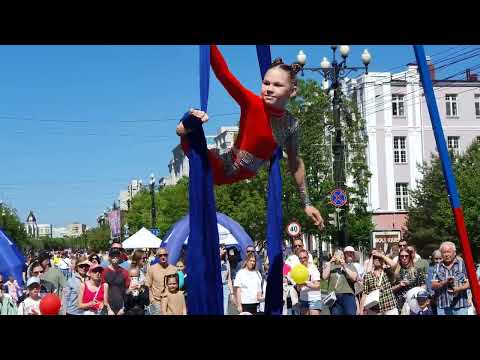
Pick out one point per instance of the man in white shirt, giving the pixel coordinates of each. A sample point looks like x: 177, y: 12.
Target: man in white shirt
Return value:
x: 293, y: 260
x: 310, y: 293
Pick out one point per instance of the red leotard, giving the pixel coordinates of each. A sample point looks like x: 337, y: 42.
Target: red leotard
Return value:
x: 255, y: 138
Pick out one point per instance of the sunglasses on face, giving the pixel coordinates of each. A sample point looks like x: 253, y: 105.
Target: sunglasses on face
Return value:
x: 163, y: 255
x: 84, y: 266
x: 96, y: 271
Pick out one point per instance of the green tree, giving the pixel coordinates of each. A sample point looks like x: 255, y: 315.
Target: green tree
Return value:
x: 430, y: 217
x: 313, y: 109
x: 11, y: 224
x: 95, y: 239
x: 171, y: 203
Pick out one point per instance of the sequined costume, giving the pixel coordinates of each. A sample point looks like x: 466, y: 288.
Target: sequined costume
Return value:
x: 262, y: 128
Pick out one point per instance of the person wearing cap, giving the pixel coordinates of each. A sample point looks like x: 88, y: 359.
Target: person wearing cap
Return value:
x: 72, y: 288
x: 341, y: 276
x: 92, y: 293
x: 51, y: 274
x: 350, y: 257
x: 31, y: 304
x: 155, y: 280
x: 423, y: 301
x: 117, y: 280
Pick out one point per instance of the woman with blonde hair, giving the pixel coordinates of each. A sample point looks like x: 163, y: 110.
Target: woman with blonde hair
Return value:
x: 406, y: 276
x: 248, y: 286
x: 72, y: 289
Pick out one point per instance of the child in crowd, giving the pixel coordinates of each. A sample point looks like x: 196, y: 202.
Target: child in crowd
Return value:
x: 31, y: 305
x: 174, y: 301
x: 13, y: 288
x: 137, y: 298
x: 423, y: 303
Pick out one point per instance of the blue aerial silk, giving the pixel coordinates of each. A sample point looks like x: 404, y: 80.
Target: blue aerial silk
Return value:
x: 12, y: 261
x: 205, y: 291
x: 274, y: 292
x: 205, y: 295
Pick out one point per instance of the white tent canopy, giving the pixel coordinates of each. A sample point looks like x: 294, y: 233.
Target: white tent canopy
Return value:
x: 225, y: 236
x: 143, y: 238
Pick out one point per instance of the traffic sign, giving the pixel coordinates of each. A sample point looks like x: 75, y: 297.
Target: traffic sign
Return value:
x: 338, y: 197
x: 155, y: 231
x: 294, y: 229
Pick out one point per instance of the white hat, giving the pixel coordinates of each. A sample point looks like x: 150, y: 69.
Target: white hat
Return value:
x: 349, y: 248
x: 33, y: 280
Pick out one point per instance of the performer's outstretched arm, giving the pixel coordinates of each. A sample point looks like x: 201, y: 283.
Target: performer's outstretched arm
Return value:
x: 297, y: 168
x: 230, y: 82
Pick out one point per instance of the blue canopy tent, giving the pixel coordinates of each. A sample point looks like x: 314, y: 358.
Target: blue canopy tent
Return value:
x: 177, y: 236
x: 11, y: 259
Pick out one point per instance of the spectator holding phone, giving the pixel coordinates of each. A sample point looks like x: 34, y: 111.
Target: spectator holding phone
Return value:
x: 341, y: 278
x: 450, y: 282
x: 406, y: 276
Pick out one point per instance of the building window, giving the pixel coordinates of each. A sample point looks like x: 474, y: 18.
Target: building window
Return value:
x: 451, y: 103
x: 398, y: 108
x: 400, y: 149
x: 402, y: 196
x: 453, y: 143
x: 477, y: 105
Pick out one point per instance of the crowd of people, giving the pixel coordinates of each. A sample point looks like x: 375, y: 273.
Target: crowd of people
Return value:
x: 145, y: 283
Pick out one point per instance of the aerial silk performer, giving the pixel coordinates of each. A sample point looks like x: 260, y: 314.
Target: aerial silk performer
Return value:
x: 266, y: 127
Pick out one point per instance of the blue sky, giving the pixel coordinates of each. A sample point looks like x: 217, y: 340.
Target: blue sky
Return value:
x: 78, y: 122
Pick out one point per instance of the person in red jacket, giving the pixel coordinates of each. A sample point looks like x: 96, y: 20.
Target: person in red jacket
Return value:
x: 265, y: 124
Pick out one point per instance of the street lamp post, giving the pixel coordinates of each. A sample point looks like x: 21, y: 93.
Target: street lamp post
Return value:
x: 152, y: 193
x: 333, y: 74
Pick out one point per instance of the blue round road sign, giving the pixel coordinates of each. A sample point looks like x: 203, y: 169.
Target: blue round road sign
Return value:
x: 338, y: 197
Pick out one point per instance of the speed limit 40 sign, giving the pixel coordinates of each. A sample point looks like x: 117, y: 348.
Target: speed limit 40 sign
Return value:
x: 294, y: 229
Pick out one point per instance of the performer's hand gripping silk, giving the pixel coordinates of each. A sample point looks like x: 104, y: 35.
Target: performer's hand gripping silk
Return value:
x: 264, y: 125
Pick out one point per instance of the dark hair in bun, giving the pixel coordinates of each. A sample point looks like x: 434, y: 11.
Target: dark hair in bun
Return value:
x: 292, y: 70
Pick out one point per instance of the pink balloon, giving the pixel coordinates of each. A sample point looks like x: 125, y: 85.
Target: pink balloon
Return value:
x: 286, y: 269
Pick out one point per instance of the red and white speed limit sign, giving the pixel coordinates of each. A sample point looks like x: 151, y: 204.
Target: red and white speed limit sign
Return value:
x: 294, y: 229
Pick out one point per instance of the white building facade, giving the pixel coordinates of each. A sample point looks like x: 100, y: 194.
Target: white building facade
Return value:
x: 178, y: 166
x: 126, y: 196
x: 400, y: 135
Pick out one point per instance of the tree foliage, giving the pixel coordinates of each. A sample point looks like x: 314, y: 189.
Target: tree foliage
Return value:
x: 430, y: 219
x: 13, y: 227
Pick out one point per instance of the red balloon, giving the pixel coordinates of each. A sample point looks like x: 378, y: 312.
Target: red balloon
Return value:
x: 50, y: 304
